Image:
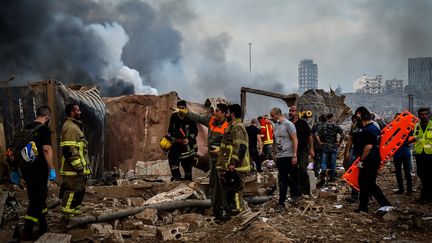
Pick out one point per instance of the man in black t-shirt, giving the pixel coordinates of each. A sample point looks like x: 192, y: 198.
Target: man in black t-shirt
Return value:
x: 305, y: 148
x: 370, y: 161
x: 36, y: 175
x: 255, y: 143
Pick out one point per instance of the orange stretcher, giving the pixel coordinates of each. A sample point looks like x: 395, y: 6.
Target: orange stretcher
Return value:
x: 392, y: 138
x: 352, y: 174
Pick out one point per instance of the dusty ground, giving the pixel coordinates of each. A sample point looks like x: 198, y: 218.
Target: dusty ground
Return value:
x: 326, y: 218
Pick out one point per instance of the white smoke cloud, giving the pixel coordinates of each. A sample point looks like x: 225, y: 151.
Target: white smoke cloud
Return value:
x: 132, y: 76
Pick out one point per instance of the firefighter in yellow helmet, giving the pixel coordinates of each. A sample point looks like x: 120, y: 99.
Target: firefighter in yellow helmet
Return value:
x: 233, y: 156
x: 75, y: 166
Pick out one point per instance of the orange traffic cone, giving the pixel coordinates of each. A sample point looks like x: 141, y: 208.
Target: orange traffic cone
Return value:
x: 352, y: 174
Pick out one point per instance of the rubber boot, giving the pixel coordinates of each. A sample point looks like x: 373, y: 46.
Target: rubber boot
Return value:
x: 176, y: 176
x: 43, y: 226
x: 28, y: 234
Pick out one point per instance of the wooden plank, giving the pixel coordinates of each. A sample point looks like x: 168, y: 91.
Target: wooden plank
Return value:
x: 3, y: 197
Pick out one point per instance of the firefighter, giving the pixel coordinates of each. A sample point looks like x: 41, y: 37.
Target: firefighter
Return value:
x: 216, y: 124
x: 75, y: 167
x: 234, y: 156
x: 182, y: 131
x: 266, y: 128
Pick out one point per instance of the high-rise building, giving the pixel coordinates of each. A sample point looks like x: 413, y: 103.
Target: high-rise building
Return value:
x: 307, y: 75
x: 394, y: 86
x: 369, y: 85
x: 420, y: 73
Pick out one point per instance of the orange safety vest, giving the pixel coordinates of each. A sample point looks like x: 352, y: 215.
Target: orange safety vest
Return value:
x: 266, y: 131
x: 217, y: 129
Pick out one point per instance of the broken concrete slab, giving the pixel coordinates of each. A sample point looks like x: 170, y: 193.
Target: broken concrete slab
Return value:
x: 54, y: 238
x: 131, y: 224
x: 172, y: 232
x: 180, y: 192
x: 193, y: 236
x: 146, y: 231
x: 195, y: 220
x: 115, y: 237
x: 101, y: 229
x: 118, y: 191
x: 149, y: 216
x: 135, y: 201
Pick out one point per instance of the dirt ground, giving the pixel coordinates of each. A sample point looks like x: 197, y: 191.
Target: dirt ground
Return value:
x: 327, y: 217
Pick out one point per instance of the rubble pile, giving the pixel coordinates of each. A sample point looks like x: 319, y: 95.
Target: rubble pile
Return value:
x: 136, y: 208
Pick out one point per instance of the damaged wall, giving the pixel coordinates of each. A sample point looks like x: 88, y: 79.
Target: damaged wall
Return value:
x: 19, y: 108
x: 135, y: 125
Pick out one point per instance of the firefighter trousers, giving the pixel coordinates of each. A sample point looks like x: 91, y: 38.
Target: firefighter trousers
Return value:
x: 72, y: 192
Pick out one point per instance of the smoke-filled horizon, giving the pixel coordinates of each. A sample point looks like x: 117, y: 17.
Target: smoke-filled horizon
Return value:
x: 200, y: 48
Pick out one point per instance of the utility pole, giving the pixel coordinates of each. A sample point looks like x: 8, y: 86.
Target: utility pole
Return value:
x: 250, y: 57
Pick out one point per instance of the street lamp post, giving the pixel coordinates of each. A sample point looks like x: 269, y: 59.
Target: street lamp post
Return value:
x: 250, y: 57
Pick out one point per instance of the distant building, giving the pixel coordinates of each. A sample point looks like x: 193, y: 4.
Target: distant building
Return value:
x: 369, y: 85
x: 307, y: 75
x: 420, y: 73
x: 394, y: 86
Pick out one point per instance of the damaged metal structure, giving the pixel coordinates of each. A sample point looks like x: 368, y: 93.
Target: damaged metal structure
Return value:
x: 20, y: 107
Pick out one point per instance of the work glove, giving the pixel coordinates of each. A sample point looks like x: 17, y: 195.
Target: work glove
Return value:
x: 52, y: 174
x: 181, y: 111
x: 310, y: 166
x: 15, y: 177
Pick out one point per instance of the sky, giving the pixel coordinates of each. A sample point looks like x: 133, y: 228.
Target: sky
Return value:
x: 200, y: 48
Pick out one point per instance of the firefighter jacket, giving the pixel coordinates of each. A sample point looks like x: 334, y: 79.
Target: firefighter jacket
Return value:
x: 74, y: 147
x: 423, y: 139
x: 181, y: 128
x: 234, y: 148
x: 215, y: 130
x: 266, y: 131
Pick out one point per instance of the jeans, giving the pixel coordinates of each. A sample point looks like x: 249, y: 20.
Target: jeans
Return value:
x: 404, y: 161
x: 329, y: 162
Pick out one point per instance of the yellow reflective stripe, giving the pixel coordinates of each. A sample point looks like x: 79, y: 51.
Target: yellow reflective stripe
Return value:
x: 234, y: 156
x: 67, y: 210
x: 267, y: 131
x: 69, y: 201
x: 230, y: 149
x: 68, y: 173
x: 31, y: 218
x: 76, y: 162
x: 62, y: 165
x: 44, y: 210
x: 245, y: 168
x: 268, y: 142
x: 237, y: 201
x: 68, y: 143
x: 240, y: 141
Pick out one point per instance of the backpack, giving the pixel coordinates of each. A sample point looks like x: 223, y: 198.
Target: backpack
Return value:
x: 23, y: 151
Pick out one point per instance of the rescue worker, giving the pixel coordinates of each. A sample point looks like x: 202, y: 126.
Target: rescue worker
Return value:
x: 423, y: 153
x: 266, y: 128
x: 182, y: 131
x: 216, y: 124
x: 36, y: 176
x: 234, y: 156
x: 370, y: 161
x: 75, y: 167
